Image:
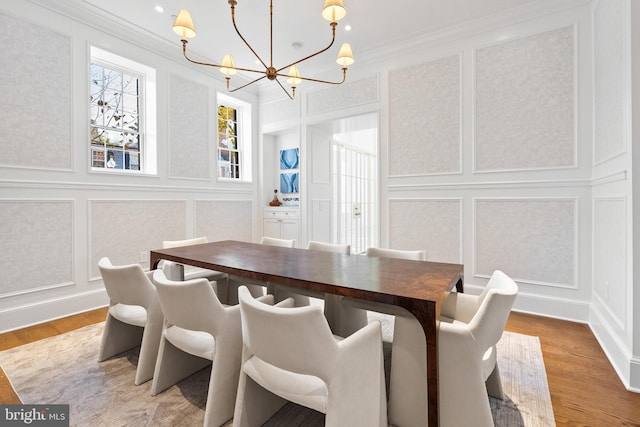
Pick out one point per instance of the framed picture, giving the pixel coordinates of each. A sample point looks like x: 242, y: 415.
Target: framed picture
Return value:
x: 289, y: 182
x: 290, y: 158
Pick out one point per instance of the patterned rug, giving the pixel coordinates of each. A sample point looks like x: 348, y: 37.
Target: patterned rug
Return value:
x: 64, y: 369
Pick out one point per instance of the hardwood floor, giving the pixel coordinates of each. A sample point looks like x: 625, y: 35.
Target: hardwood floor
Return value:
x: 585, y: 390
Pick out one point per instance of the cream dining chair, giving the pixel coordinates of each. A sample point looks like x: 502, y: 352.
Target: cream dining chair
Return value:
x: 176, y: 271
x: 199, y: 330
x: 290, y: 354
x: 258, y: 287
x: 134, y: 317
x: 301, y: 296
x: 470, y: 328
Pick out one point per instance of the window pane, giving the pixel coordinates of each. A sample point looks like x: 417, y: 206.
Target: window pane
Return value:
x: 115, y: 121
x: 228, y: 143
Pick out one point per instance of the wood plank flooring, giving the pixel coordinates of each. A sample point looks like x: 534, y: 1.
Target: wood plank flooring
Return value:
x: 585, y: 390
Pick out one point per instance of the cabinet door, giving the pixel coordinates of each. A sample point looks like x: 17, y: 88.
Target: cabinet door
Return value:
x: 272, y: 228
x: 289, y: 229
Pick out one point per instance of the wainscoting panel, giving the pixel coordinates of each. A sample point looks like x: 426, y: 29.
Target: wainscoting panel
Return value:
x: 35, y: 64
x: 433, y: 225
x: 281, y: 110
x: 124, y: 229
x: 37, y: 245
x: 610, y: 252
x: 532, y: 240
x: 525, y: 103
x: 349, y: 94
x: 610, y: 56
x: 224, y: 219
x: 425, y: 119
x: 189, y: 119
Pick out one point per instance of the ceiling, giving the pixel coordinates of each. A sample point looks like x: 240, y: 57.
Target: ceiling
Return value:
x: 374, y: 25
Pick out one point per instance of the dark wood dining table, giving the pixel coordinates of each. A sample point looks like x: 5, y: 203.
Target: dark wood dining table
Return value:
x: 420, y: 287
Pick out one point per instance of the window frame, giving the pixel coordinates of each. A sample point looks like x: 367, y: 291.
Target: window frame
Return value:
x: 147, y: 152
x: 243, y: 138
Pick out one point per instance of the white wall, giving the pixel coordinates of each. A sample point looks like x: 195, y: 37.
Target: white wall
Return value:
x: 505, y: 145
x: 614, y: 314
x: 57, y: 218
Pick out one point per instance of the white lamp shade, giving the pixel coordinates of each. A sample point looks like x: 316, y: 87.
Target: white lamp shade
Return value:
x: 345, y: 56
x: 294, y: 76
x: 183, y: 25
x: 228, y: 66
x: 333, y: 10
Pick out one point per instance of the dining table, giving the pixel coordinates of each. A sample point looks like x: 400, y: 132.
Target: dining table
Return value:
x: 419, y: 287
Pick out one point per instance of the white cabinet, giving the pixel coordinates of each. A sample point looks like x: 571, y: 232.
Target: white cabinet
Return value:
x: 281, y: 223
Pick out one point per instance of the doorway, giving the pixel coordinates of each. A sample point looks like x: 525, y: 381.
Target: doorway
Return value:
x: 344, y: 185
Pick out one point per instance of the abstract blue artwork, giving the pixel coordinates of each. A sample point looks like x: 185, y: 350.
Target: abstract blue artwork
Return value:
x: 289, y: 159
x: 289, y: 182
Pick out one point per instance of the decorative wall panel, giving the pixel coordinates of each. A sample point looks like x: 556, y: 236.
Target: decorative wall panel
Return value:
x: 610, y: 252
x: 35, y: 88
x: 532, y: 240
x: 524, y: 108
x: 188, y: 129
x: 37, y: 244
x: 281, y: 110
x: 349, y: 94
x: 425, y: 118
x: 123, y: 229
x: 224, y: 220
x: 610, y: 54
x: 433, y: 225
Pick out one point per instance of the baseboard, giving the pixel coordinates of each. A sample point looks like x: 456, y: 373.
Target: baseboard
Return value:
x: 44, y: 311
x: 624, y: 363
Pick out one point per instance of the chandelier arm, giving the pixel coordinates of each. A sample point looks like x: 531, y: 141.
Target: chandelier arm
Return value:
x: 285, y: 90
x: 344, y: 78
x: 233, y: 19
x: 333, y: 39
x: 244, y: 85
x: 211, y: 64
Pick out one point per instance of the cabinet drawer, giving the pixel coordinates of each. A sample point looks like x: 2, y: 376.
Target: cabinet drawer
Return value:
x: 281, y: 213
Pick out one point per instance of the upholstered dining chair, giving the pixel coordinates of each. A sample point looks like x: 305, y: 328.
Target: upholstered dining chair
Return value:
x: 470, y: 328
x: 178, y: 272
x: 301, y: 296
x: 258, y: 287
x: 134, y: 317
x: 199, y: 330
x: 290, y: 354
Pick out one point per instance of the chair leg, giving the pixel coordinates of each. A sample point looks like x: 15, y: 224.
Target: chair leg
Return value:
x: 149, y: 347
x: 174, y: 365
x: 494, y: 384
x: 343, y: 320
x: 254, y: 404
x: 408, y: 376
x: 223, y: 385
x: 118, y: 337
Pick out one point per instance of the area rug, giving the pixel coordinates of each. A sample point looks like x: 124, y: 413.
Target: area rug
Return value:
x: 64, y: 369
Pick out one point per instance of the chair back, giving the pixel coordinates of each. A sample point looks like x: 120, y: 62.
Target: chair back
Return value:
x: 126, y: 284
x: 167, y: 244
x: 397, y: 253
x: 191, y: 304
x: 329, y: 247
x: 495, y: 303
x: 296, y: 339
x: 273, y: 241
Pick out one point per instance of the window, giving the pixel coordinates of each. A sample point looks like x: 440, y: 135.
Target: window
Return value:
x: 234, y: 139
x: 122, y: 108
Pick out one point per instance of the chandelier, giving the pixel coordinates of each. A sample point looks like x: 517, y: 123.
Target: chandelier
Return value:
x: 332, y: 11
